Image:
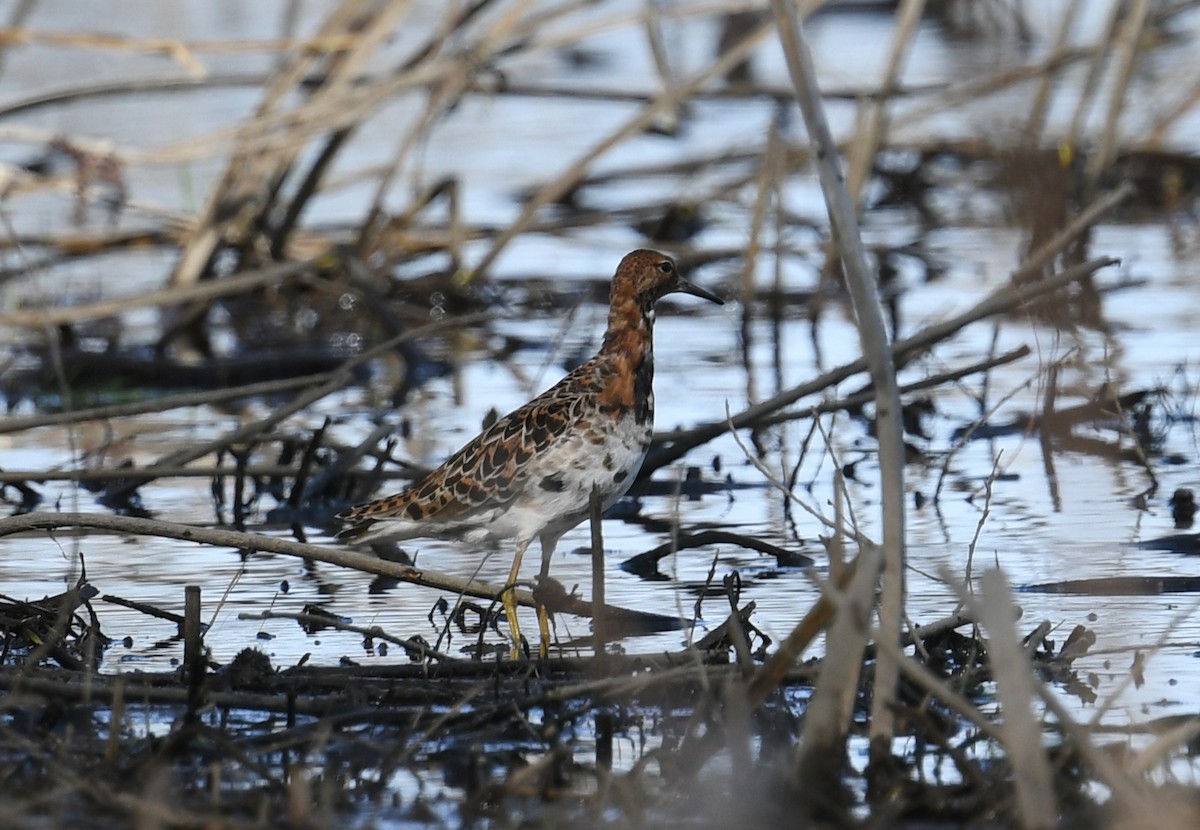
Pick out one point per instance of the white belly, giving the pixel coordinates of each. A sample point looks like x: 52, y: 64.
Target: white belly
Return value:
x: 558, y: 493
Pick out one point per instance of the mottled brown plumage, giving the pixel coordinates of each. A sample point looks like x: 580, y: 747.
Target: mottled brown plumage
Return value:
x: 530, y: 474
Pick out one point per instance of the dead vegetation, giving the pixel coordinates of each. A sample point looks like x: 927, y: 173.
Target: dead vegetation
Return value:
x: 963, y: 717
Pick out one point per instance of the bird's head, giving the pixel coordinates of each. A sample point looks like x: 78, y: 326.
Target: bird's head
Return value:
x: 647, y: 276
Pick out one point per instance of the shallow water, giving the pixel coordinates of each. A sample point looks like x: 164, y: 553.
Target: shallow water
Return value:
x: 500, y: 145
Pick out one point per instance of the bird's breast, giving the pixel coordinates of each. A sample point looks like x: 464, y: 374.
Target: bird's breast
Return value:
x: 629, y: 388
x: 606, y: 454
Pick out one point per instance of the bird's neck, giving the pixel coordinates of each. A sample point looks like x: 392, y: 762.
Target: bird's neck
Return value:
x: 630, y: 328
x: 629, y: 349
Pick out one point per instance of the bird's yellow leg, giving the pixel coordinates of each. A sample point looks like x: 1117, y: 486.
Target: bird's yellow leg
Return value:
x: 548, y: 543
x: 509, y: 600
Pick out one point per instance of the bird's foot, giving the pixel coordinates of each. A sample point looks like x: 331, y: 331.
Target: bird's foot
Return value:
x: 509, y: 600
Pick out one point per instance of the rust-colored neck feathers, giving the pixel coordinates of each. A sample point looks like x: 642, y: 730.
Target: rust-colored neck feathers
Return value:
x: 630, y: 326
x: 629, y: 340
x: 643, y: 278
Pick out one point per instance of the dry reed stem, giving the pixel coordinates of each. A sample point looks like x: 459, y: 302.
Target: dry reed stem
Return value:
x: 918, y: 633
x: 561, y: 38
x: 599, y: 623
x: 830, y: 709
x: 1095, y: 72
x: 1087, y: 217
x: 983, y: 419
x: 873, y: 133
x: 177, y: 50
x: 1128, y: 794
x: 122, y: 43
x: 665, y: 102
x: 369, y: 229
x: 984, y: 513
x: 1002, y: 300
x: 835, y: 525
x: 1171, y: 118
x: 1127, y: 50
x: 1015, y: 688
x: 275, y: 132
x: 652, y: 26
x: 771, y: 673
x: 131, y: 86
x: 119, y: 473
x: 865, y: 396
x: 163, y: 298
x: 326, y: 118
x: 260, y: 134
x: 156, y: 405
x: 770, y: 173
x: 882, y: 369
x: 929, y: 683
x: 1160, y: 749
x: 1036, y: 122
x: 628, y: 676
x: 323, y: 124
x: 339, y: 379
x: 823, y: 740
x: 269, y: 131
x: 447, y: 94
x: 252, y: 178
x: 256, y: 543
x: 1001, y: 81
x: 252, y: 543
x: 953, y: 96
x: 1044, y: 436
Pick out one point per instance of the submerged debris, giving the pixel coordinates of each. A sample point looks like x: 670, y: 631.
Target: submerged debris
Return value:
x: 634, y: 738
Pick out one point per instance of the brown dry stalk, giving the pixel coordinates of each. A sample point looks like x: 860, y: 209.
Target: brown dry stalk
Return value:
x: 164, y: 404
x: 252, y: 543
x: 251, y: 179
x: 828, y: 717
x: 816, y: 619
x: 1002, y: 300
x: 42, y: 318
x: 339, y: 379
x: 1041, y: 101
x: 1128, y: 49
x: 873, y: 134
x: 667, y: 101
x: 1058, y: 243
x: 118, y: 473
x: 1095, y: 72
x: 1016, y: 689
x: 89, y: 40
x: 872, y: 330
x: 331, y: 555
x: 866, y: 396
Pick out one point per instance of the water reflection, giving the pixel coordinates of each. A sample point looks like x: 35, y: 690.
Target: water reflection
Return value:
x: 1086, y: 528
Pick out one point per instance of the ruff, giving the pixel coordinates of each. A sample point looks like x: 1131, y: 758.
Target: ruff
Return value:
x: 530, y: 475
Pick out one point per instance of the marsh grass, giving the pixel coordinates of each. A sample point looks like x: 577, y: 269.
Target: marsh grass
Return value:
x: 964, y: 726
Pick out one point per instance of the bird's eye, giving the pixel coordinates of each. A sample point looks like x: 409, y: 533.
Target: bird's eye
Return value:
x: 666, y: 267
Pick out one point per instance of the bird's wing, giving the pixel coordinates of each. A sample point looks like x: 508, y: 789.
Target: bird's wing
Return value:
x: 491, y: 470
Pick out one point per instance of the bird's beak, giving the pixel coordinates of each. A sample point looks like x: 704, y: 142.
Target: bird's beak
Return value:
x: 696, y: 291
